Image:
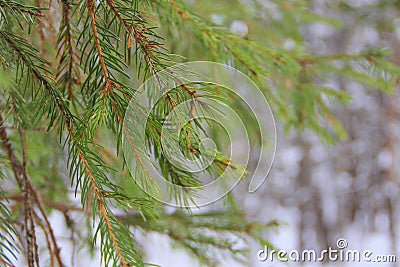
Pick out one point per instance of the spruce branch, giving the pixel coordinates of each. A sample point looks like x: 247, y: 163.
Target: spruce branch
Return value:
x: 30, y: 196
x: 150, y: 50
x: 109, y: 222
x: 67, y: 71
x: 27, y: 54
x: 108, y: 96
x: 90, y: 6
x: 233, y: 44
x: 197, y: 232
x: 7, y: 241
x: 17, y: 9
x: 102, y: 209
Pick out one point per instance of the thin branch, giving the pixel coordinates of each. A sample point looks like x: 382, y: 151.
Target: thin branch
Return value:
x: 32, y: 251
x: 29, y: 192
x: 41, y: 225
x: 103, y: 210
x: 187, y: 17
x: 141, y: 39
x: 69, y: 50
x: 38, y: 76
x: 17, y: 7
x: 61, y: 206
x: 90, y: 7
x: 6, y: 263
x: 15, y: 165
x: 41, y: 29
x: 65, y: 113
x: 39, y: 204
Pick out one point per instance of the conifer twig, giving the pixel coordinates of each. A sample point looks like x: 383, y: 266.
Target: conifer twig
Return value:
x: 67, y: 44
x: 29, y: 195
x: 68, y: 122
x: 102, y: 209
x: 90, y: 7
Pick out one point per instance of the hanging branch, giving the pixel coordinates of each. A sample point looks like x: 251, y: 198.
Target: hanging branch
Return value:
x: 66, y: 67
x: 18, y: 9
x: 90, y: 7
x: 108, y: 218
x: 30, y: 195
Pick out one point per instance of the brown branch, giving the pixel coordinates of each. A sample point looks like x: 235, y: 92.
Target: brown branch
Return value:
x: 103, y: 209
x: 30, y: 194
x: 6, y: 263
x: 34, y: 238
x: 30, y: 234
x: 18, y: 170
x: 68, y: 42
x: 109, y: 84
x: 140, y: 38
x: 68, y: 122
x: 39, y: 204
x: 38, y: 76
x: 35, y: 13
x: 41, y: 225
x: 61, y: 206
x: 15, y: 165
x: 90, y: 7
x: 41, y: 27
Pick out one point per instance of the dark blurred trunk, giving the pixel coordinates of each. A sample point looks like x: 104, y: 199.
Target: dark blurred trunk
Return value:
x: 311, y: 210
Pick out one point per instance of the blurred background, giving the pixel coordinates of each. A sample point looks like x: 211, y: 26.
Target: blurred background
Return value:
x: 321, y: 192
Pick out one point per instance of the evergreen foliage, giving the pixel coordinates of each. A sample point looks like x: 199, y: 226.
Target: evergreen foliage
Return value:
x: 68, y: 72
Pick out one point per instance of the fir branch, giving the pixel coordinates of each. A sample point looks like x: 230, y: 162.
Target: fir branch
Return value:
x: 150, y: 49
x: 102, y: 209
x: 230, y: 42
x: 67, y: 116
x: 57, y: 205
x: 15, y: 9
x: 32, y: 251
x: 107, y: 217
x: 30, y: 194
x: 107, y: 96
x: 17, y: 44
x: 135, y: 26
x: 292, y: 89
x: 8, y: 231
x: 66, y: 67
x: 196, y: 232
x: 41, y: 29
x: 90, y: 6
